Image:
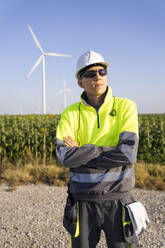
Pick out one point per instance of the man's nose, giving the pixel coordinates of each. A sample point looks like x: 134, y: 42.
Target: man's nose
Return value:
x: 97, y: 75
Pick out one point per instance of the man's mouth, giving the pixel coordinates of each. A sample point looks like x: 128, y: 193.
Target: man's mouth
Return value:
x: 98, y: 85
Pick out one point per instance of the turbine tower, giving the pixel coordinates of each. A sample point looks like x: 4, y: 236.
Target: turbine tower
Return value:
x: 65, y: 90
x: 42, y: 58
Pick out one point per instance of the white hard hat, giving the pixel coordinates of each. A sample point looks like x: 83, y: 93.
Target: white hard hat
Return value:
x: 89, y: 58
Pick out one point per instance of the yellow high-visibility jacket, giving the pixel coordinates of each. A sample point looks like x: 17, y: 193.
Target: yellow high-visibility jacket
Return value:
x: 103, y: 164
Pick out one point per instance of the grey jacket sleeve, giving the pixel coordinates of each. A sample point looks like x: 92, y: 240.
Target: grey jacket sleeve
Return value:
x: 76, y: 156
x: 124, y: 154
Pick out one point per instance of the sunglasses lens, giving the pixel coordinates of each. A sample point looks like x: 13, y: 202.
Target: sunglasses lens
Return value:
x: 102, y: 72
x: 92, y: 73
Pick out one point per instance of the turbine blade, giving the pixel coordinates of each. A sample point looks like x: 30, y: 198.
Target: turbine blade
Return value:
x: 35, y: 39
x: 59, y: 55
x: 59, y: 92
x: 70, y: 91
x: 34, y: 66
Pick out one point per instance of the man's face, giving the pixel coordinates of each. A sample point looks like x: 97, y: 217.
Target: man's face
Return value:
x: 96, y: 85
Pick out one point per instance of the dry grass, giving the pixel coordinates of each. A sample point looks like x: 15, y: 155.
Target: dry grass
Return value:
x: 148, y: 176
x: 35, y: 174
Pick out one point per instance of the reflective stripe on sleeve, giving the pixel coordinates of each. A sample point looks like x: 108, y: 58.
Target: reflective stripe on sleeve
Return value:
x: 102, y: 177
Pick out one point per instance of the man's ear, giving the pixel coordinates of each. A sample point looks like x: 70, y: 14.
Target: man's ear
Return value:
x: 80, y: 83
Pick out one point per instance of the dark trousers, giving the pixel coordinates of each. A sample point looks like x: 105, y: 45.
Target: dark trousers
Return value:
x: 97, y: 216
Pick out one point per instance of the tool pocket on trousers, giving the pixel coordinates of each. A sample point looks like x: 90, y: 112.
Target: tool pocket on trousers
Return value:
x: 128, y: 229
x: 71, y: 216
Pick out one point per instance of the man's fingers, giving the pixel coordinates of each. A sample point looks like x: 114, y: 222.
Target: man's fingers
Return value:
x: 69, y: 141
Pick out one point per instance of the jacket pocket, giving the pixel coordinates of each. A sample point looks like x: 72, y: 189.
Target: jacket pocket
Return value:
x: 71, y: 216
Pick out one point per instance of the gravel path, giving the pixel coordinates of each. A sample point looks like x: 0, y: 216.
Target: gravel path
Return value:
x: 31, y: 216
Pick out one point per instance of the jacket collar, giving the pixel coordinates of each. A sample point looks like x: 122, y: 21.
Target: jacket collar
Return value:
x: 107, y: 98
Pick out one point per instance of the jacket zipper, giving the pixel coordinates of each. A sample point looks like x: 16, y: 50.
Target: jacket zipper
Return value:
x: 98, y: 122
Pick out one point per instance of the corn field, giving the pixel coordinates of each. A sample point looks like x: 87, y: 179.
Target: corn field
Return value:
x: 27, y: 138
x: 152, y: 138
x: 31, y: 138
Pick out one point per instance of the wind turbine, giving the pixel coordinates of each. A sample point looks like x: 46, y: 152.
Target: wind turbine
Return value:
x: 42, y: 58
x: 65, y: 90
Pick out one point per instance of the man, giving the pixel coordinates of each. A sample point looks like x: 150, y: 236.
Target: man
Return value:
x: 97, y: 139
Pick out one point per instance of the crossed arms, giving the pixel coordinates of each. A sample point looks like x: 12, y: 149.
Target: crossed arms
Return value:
x: 98, y: 157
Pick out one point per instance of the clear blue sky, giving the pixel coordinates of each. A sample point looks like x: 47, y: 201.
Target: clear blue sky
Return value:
x: 130, y: 34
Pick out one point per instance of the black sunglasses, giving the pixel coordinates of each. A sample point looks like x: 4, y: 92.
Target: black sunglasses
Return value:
x: 92, y: 73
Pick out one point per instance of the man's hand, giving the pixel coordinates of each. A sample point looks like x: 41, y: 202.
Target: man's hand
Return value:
x: 69, y: 141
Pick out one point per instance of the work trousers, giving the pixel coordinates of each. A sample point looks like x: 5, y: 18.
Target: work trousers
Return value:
x: 97, y: 216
